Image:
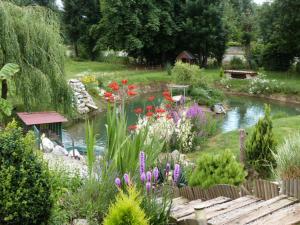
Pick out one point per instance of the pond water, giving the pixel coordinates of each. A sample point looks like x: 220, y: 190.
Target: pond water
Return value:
x: 243, y: 112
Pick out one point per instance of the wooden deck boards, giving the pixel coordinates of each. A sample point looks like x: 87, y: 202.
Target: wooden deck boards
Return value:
x: 244, y: 210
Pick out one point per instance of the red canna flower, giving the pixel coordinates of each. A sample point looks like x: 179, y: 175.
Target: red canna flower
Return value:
x: 149, y: 114
x: 151, y: 98
x: 131, y: 93
x: 149, y: 107
x: 168, y: 106
x: 131, y: 87
x: 124, y: 82
x: 166, y: 94
x: 169, y: 117
x: 138, y: 110
x: 160, y: 110
x: 132, y: 127
x: 107, y: 94
x: 169, y: 98
x: 114, y: 86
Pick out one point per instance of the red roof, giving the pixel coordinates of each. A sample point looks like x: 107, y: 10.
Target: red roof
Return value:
x: 36, y: 118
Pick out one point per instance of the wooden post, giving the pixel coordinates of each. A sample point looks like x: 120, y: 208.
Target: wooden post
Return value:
x: 242, y: 146
x: 200, y: 215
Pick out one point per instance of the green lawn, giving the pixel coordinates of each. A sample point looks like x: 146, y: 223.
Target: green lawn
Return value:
x: 109, y: 71
x: 282, y: 128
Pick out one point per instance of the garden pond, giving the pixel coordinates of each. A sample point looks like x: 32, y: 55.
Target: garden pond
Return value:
x: 243, y: 112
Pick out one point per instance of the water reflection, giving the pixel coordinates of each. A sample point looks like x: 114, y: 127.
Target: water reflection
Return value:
x: 246, y: 111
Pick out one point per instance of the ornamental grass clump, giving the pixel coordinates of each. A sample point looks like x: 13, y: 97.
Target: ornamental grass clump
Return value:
x: 217, y: 169
x: 288, y: 158
x: 126, y: 210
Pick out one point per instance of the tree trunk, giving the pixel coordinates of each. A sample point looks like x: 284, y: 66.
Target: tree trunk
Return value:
x: 4, y: 89
x: 76, y: 49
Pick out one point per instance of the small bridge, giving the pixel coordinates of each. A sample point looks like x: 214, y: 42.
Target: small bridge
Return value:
x: 240, y: 74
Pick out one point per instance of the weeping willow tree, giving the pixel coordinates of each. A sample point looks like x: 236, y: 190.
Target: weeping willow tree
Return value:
x: 30, y: 37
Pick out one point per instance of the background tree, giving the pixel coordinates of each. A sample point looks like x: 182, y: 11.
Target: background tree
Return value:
x: 80, y: 19
x: 46, y: 3
x: 279, y: 29
x: 29, y: 37
x: 203, y: 29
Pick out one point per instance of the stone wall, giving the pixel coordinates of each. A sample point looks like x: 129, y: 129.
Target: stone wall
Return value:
x: 83, y: 101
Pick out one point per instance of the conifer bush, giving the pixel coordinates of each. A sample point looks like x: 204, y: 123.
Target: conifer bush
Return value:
x: 260, y: 146
x: 217, y: 169
x: 126, y: 210
x: 25, y: 190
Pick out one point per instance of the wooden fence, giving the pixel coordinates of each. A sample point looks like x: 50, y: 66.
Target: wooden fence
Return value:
x: 262, y: 189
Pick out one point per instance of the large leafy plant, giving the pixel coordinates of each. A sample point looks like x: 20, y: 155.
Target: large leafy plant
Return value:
x: 6, y: 73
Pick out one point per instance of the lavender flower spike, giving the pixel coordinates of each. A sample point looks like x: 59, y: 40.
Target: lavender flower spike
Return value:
x: 176, y: 173
x: 142, y: 162
x: 143, y: 177
x: 126, y: 178
x: 148, y: 187
x: 156, y: 173
x: 149, y: 176
x: 118, y: 182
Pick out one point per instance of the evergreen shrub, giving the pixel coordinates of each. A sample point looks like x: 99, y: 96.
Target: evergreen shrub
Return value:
x: 259, y: 147
x: 217, y: 169
x: 126, y: 210
x: 25, y: 189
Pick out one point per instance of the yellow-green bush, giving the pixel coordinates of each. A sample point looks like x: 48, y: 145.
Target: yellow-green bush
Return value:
x: 126, y: 210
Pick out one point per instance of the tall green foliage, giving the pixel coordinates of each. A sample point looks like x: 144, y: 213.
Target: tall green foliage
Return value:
x: 25, y: 189
x: 123, y: 148
x: 29, y: 37
x: 90, y: 141
x: 260, y: 146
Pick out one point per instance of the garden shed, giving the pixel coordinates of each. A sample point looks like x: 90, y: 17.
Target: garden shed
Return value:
x: 186, y: 57
x: 49, y: 123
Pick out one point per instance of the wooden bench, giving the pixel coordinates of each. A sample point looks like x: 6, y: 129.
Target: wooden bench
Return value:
x: 240, y: 74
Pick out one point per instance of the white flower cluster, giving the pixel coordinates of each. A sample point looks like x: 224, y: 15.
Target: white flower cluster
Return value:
x: 165, y: 129
x: 184, y: 134
x: 261, y: 85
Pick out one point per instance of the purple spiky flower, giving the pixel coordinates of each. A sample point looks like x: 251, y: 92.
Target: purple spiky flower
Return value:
x: 118, y: 182
x: 155, y: 174
x: 149, y: 176
x: 176, y: 173
x: 148, y: 187
x: 126, y: 178
x: 142, y: 162
x: 143, y: 177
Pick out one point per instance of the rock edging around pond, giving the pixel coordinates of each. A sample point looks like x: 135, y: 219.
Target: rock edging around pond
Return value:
x: 83, y: 101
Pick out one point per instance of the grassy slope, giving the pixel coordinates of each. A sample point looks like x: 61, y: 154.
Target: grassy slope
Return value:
x: 117, y: 72
x: 282, y: 128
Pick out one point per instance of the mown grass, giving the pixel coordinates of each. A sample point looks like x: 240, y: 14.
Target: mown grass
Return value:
x: 282, y: 128
x: 110, y: 71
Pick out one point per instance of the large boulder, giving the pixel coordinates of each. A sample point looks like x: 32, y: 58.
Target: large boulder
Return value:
x: 47, y: 145
x: 58, y: 150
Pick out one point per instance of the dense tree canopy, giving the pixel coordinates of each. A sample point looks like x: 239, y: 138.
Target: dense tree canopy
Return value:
x: 29, y: 37
x: 279, y: 25
x: 80, y: 19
